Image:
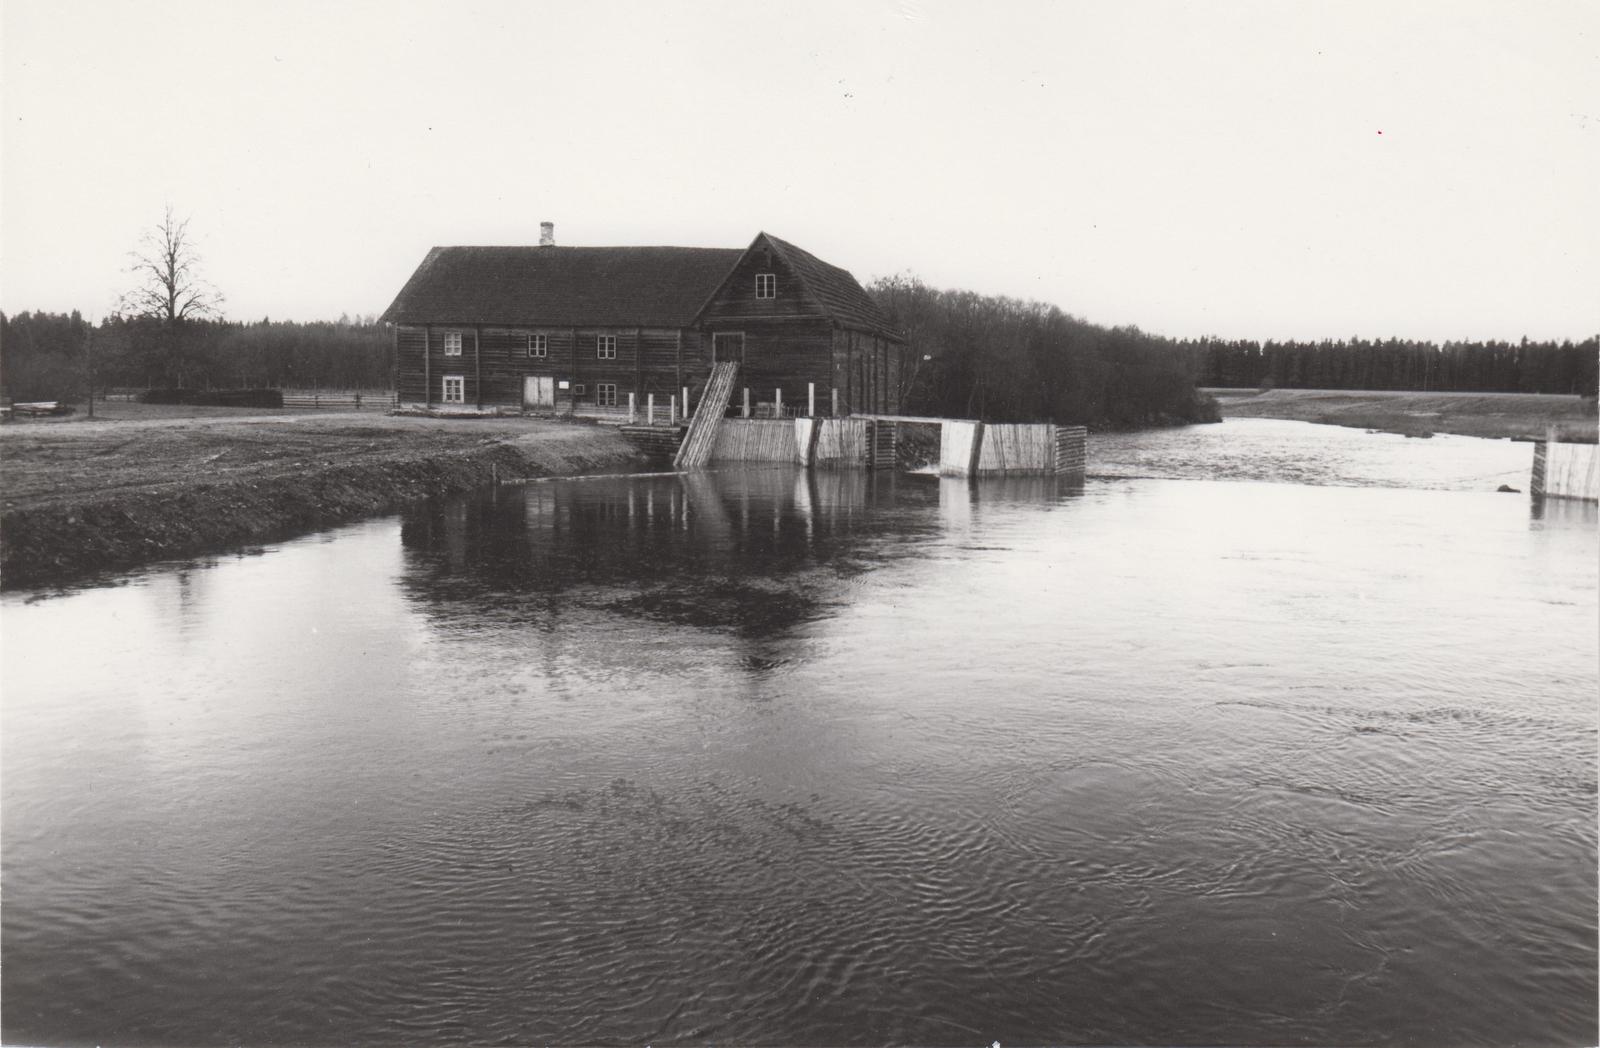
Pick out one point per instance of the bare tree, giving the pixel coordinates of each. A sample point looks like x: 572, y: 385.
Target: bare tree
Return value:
x: 170, y: 290
x: 170, y: 286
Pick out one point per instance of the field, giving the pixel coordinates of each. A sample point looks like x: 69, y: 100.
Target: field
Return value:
x: 80, y: 496
x: 1517, y: 416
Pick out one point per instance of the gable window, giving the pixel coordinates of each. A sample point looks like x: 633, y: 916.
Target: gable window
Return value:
x: 455, y: 388
x: 605, y: 394
x: 766, y: 285
x: 605, y: 347
x: 452, y: 343
x: 537, y: 345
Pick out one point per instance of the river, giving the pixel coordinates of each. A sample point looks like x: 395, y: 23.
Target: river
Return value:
x: 1268, y: 733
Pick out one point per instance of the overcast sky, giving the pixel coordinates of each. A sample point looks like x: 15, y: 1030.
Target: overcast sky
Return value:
x: 1240, y: 169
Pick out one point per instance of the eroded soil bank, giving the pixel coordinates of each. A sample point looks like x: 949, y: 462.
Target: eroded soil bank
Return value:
x: 85, y: 497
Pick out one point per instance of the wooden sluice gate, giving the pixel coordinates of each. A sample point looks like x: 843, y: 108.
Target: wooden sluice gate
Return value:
x: 967, y: 447
x: 756, y: 440
x: 843, y: 443
x: 1565, y: 471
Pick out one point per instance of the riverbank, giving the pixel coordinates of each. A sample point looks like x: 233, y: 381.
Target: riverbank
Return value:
x: 1515, y: 416
x: 82, y: 497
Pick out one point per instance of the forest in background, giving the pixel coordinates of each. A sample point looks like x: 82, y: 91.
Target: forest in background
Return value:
x: 967, y: 355
x: 46, y: 356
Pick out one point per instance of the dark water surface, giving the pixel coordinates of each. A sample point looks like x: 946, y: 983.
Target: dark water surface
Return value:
x: 829, y: 759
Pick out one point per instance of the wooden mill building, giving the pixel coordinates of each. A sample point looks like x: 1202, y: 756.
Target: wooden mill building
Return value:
x: 555, y: 329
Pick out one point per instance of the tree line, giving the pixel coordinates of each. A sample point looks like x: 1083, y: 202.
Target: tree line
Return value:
x: 1358, y: 363
x: 51, y: 356
x: 1009, y: 360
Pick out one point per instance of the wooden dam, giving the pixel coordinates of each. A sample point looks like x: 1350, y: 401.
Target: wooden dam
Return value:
x: 966, y: 447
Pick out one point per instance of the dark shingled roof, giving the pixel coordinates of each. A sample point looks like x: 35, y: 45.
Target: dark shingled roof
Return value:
x: 836, y: 289
x: 561, y: 286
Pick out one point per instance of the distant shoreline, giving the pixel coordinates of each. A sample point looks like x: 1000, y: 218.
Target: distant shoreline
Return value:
x: 1508, y: 416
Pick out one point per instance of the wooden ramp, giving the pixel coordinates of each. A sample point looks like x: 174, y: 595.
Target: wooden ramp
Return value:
x: 701, y: 437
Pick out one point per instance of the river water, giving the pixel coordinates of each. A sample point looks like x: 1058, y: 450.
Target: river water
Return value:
x: 1284, y: 747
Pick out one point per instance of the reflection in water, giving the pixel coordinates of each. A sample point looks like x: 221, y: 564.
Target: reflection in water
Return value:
x: 751, y: 553
x: 1563, y: 513
x: 833, y: 758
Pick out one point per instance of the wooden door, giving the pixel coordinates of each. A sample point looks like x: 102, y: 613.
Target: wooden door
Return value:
x: 728, y: 345
x: 539, y: 391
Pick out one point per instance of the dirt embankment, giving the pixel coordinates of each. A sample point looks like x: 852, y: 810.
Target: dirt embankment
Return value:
x: 1517, y: 416
x: 91, y: 496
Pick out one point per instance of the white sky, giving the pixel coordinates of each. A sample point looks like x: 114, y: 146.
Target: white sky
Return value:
x: 1243, y: 169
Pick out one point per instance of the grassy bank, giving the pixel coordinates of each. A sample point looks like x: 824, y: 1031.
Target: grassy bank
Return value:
x: 1517, y: 416
x: 82, y: 497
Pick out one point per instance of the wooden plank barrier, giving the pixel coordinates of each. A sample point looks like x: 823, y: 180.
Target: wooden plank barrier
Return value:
x: 1018, y: 448
x: 805, y: 439
x: 842, y: 442
x: 755, y: 440
x: 1565, y: 471
x: 960, y: 447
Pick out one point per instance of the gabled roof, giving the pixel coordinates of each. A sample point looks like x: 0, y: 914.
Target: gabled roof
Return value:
x: 844, y: 299
x: 560, y: 286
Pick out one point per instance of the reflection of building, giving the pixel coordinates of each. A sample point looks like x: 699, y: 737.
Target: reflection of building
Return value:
x: 551, y: 328
x: 751, y: 552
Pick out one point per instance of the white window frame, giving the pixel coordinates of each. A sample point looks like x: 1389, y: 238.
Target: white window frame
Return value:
x: 605, y: 347
x: 766, y: 285
x: 538, y: 345
x: 605, y: 394
x: 460, y: 384
x: 452, y: 343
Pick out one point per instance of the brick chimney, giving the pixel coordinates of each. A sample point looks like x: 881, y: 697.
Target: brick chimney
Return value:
x: 547, y: 234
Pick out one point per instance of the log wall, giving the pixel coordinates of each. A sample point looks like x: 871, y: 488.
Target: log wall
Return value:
x: 494, y: 361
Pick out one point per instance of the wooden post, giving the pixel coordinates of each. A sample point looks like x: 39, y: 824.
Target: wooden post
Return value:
x: 650, y: 409
x: 686, y: 403
x: 977, y: 449
x: 747, y: 402
x: 811, y: 399
x: 427, y: 366
x: 633, y: 412
x: 777, y: 402
x: 835, y: 401
x: 672, y: 411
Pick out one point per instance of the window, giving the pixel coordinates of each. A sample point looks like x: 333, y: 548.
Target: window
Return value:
x: 455, y: 388
x: 578, y: 390
x: 605, y: 394
x: 452, y: 343
x: 605, y: 347
x: 766, y: 285
x: 538, y: 346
